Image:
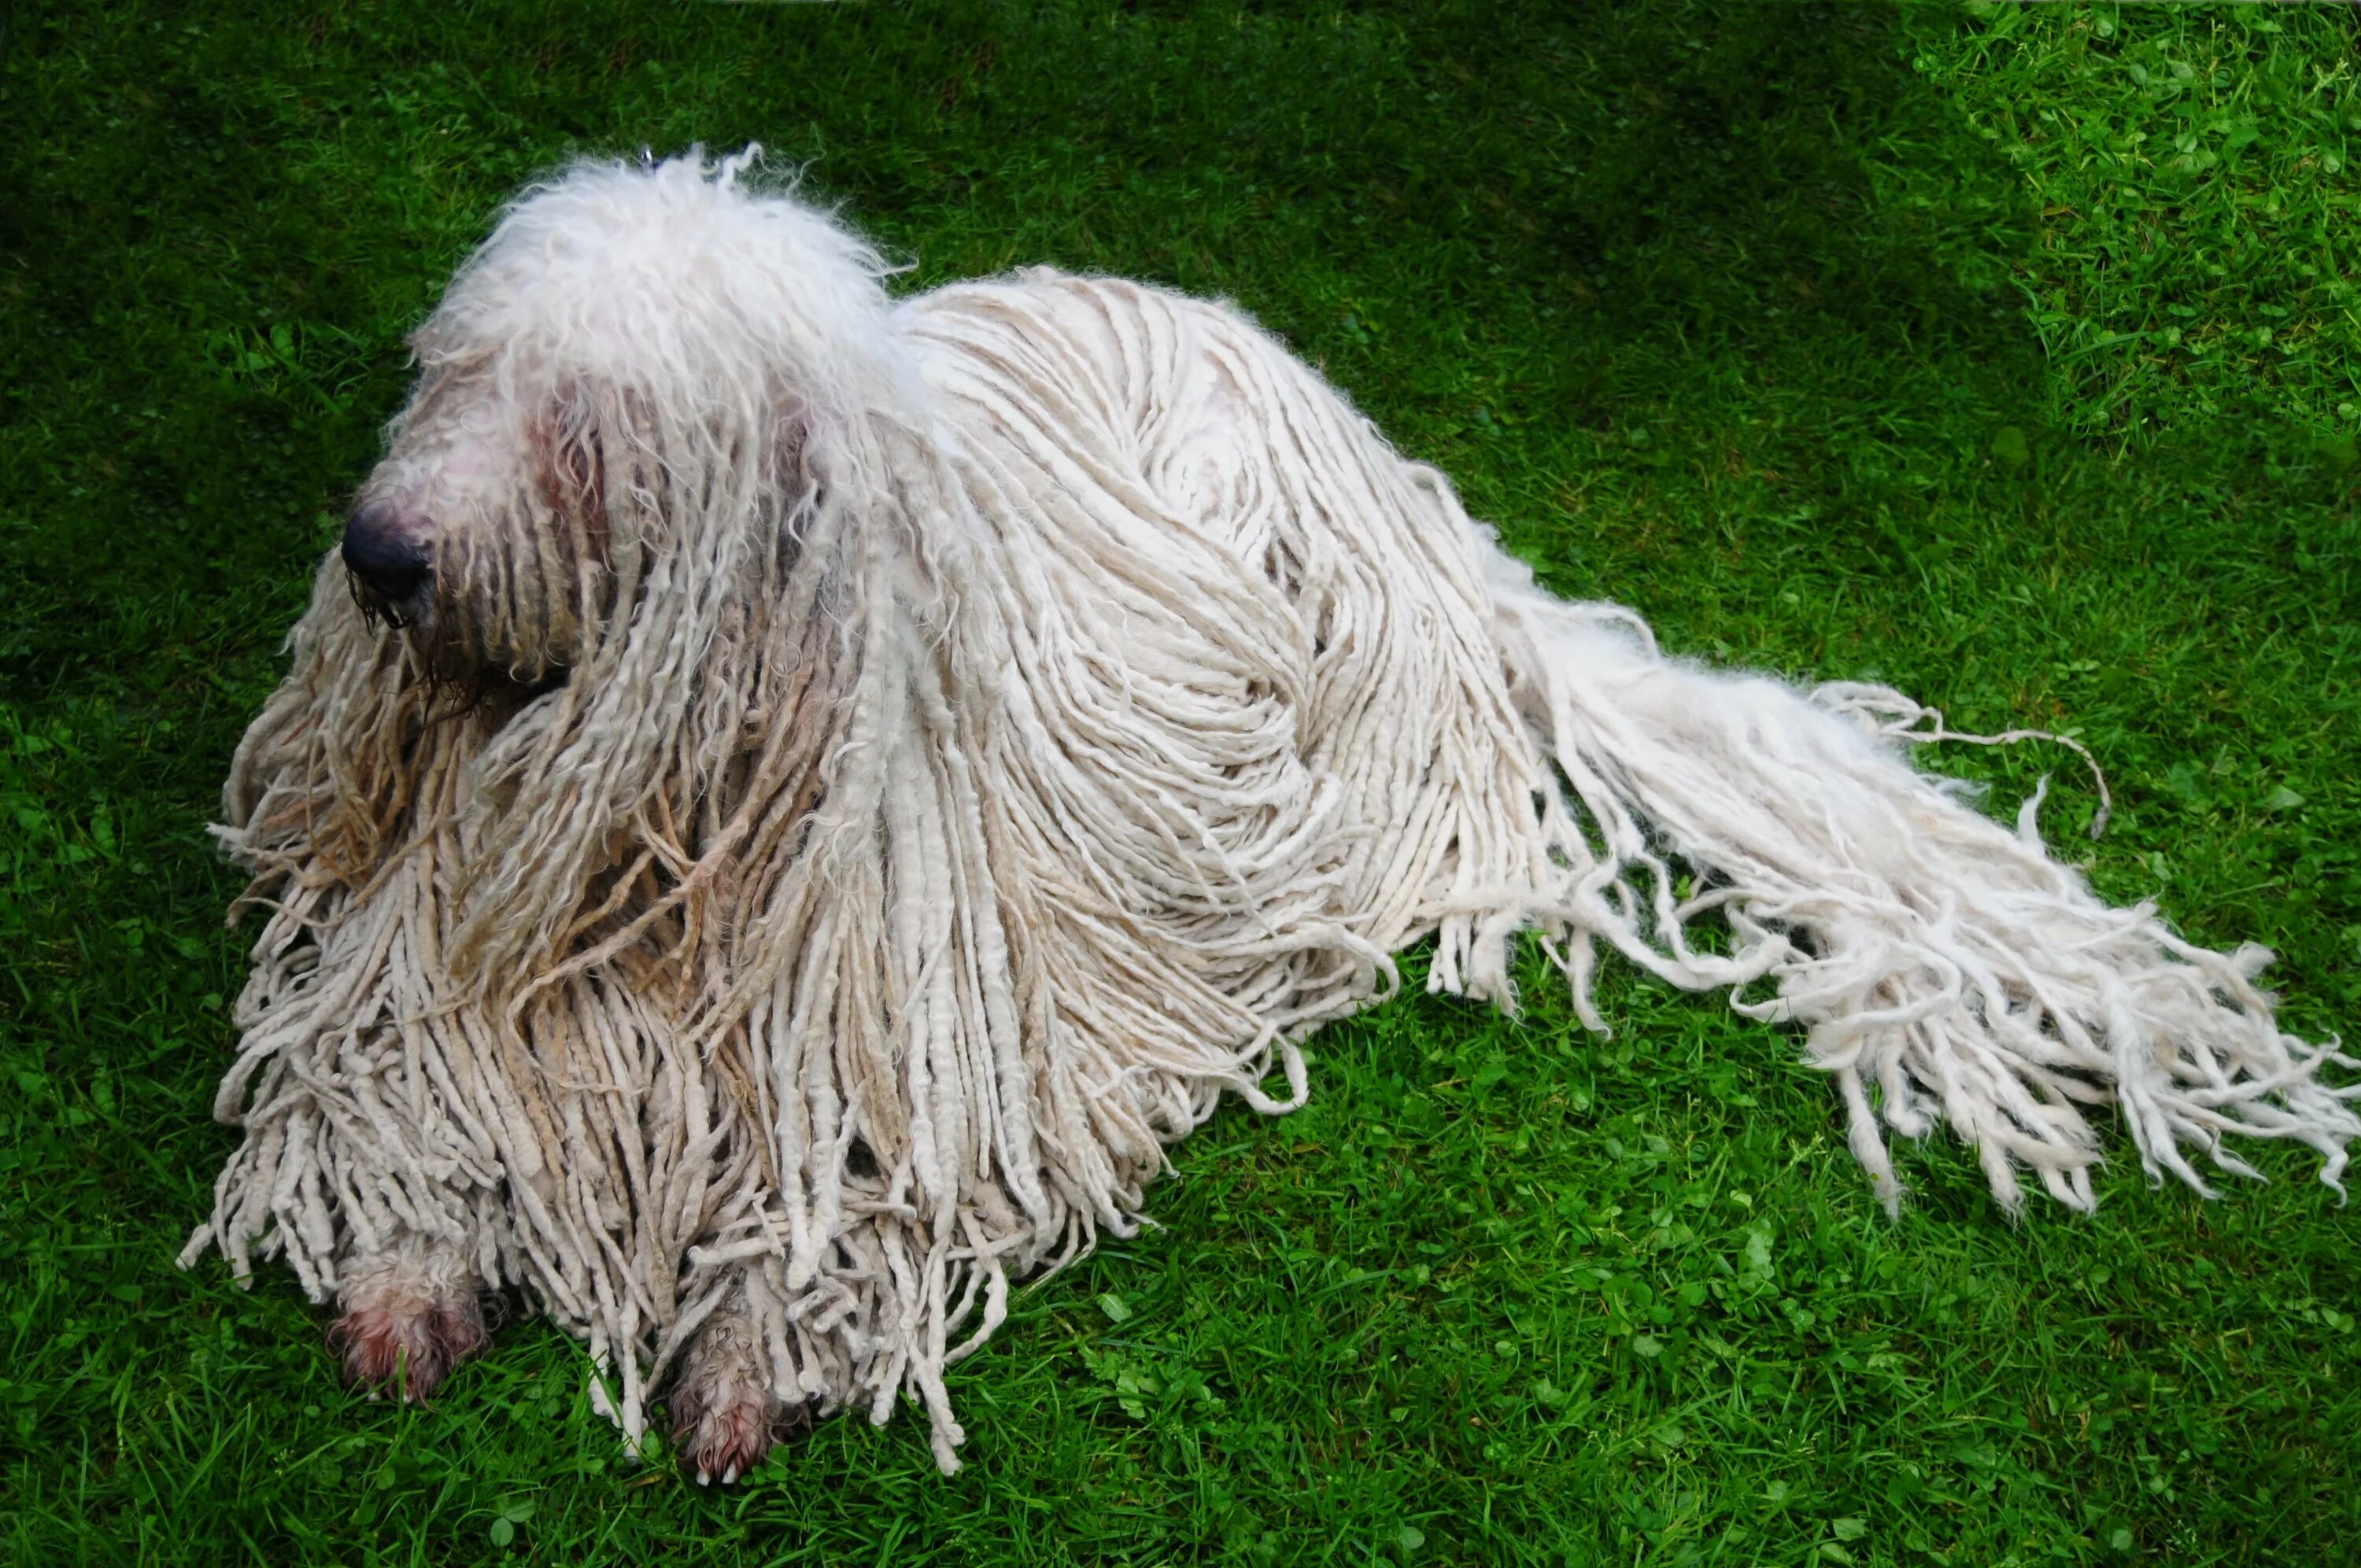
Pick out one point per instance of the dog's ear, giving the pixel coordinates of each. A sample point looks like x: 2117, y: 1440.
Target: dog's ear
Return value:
x: 569, y: 460
x: 794, y: 473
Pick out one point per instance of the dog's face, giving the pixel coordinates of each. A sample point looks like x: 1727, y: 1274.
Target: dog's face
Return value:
x: 617, y: 409
x: 485, y: 533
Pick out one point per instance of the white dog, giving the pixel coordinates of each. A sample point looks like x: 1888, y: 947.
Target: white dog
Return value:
x: 790, y: 800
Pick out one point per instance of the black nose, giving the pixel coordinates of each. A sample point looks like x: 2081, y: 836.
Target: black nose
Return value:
x: 388, y: 561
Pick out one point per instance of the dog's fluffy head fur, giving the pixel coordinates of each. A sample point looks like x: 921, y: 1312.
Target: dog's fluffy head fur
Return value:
x: 654, y: 416
x: 639, y: 366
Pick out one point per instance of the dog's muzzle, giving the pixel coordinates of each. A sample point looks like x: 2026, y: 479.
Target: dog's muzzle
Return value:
x: 388, y: 564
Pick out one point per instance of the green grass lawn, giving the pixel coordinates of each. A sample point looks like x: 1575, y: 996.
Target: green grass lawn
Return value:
x: 2006, y: 355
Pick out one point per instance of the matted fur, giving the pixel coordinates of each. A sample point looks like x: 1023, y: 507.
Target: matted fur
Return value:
x: 865, y: 777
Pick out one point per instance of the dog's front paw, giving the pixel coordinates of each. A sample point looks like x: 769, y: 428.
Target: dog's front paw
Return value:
x: 411, y: 1316
x: 725, y: 1420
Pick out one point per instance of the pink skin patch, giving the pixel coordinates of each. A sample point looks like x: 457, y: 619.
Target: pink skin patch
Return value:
x: 408, y: 1341
x: 723, y: 1426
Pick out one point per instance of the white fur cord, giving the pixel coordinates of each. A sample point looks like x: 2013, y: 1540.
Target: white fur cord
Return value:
x: 992, y: 727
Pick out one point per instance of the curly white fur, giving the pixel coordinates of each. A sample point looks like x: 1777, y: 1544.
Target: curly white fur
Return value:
x: 922, y: 756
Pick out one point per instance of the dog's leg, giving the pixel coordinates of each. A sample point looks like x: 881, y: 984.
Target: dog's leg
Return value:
x: 411, y: 1314
x: 724, y: 1417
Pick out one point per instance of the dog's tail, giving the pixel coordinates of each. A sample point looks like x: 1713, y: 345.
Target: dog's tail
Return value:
x: 1941, y: 964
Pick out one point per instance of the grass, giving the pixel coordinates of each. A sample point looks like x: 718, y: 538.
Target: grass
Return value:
x: 2006, y: 354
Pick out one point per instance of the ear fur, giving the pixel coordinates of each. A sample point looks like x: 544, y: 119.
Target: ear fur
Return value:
x: 569, y: 459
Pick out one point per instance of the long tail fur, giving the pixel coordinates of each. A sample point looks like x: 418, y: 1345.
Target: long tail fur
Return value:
x: 1942, y: 967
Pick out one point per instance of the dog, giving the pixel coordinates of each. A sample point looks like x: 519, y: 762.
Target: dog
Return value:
x: 789, y: 800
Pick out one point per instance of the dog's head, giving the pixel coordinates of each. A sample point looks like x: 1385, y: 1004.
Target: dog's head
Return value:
x: 657, y: 418
x: 627, y: 395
